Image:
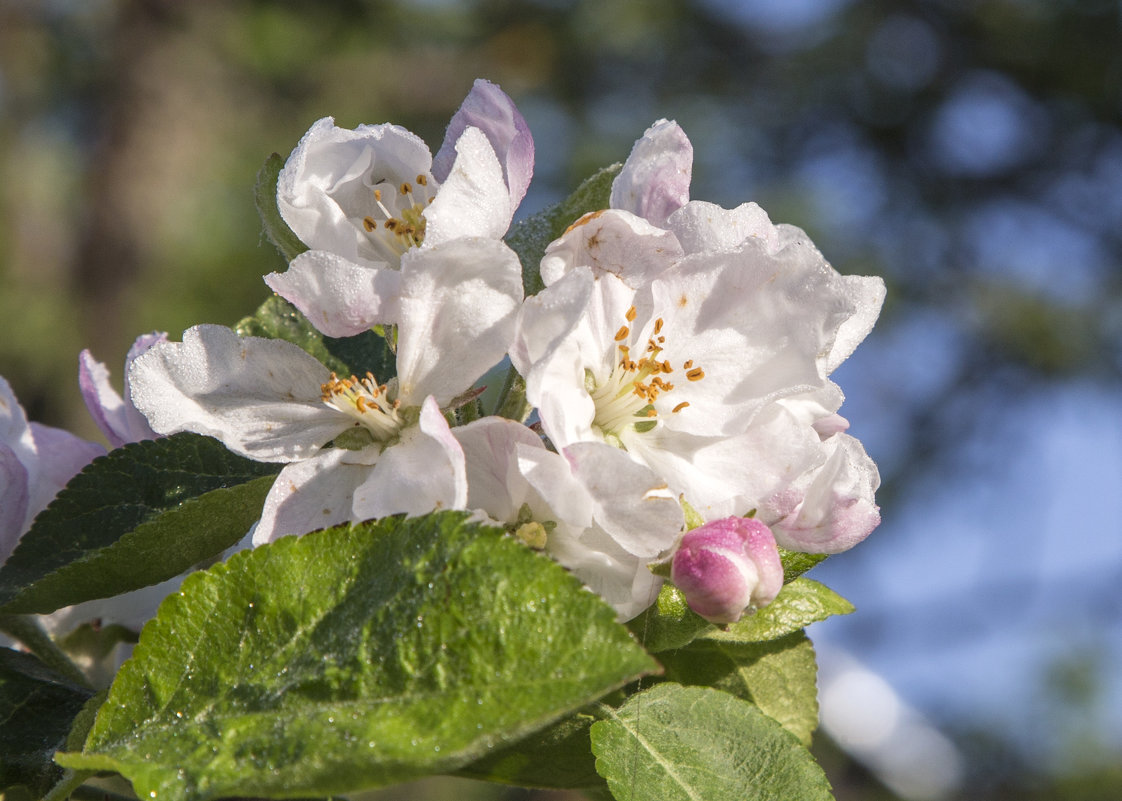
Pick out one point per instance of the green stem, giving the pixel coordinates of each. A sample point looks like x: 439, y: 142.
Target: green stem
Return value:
x: 27, y: 630
x: 512, y: 400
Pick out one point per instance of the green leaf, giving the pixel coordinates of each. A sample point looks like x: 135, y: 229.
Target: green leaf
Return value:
x: 37, y: 709
x: 140, y: 515
x: 265, y: 198
x: 276, y: 318
x: 779, y: 676
x: 796, y: 563
x: 669, y: 622
x: 674, y: 743
x: 530, y: 237
x: 558, y: 757
x: 353, y: 657
x: 800, y: 603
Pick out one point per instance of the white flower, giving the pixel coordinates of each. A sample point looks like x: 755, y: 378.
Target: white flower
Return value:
x: 360, y: 199
x: 271, y: 401
x: 592, y: 508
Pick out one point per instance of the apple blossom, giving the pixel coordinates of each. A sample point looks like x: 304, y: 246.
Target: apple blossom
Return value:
x: 360, y: 199
x: 393, y: 452
x: 727, y: 566
x: 597, y: 512
x: 115, y: 415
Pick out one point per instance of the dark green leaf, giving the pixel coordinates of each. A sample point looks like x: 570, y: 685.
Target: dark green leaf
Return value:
x: 140, y: 515
x: 265, y: 198
x: 800, y: 603
x: 37, y: 709
x: 353, y: 657
x: 778, y: 676
x: 530, y: 237
x: 674, y: 743
x: 276, y: 318
x: 559, y: 757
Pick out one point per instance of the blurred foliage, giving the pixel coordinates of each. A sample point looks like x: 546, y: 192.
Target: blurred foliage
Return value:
x: 970, y: 151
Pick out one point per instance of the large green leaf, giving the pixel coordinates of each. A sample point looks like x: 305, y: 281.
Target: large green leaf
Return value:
x: 558, y: 757
x: 276, y: 318
x: 140, y: 515
x: 530, y: 237
x: 353, y: 657
x: 265, y: 198
x: 778, y: 676
x: 675, y: 743
x: 37, y: 709
x: 800, y: 603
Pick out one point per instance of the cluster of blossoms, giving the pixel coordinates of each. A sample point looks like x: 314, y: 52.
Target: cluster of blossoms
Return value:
x: 676, y: 366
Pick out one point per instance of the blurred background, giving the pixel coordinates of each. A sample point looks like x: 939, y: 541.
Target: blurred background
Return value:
x: 969, y: 152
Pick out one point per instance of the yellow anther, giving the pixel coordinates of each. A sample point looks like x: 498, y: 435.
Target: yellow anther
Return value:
x: 631, y: 314
x: 658, y: 326
x: 405, y: 188
x: 696, y: 374
x: 370, y: 224
x: 688, y: 364
x: 622, y: 333
x: 679, y: 407
x: 378, y: 195
x: 422, y: 180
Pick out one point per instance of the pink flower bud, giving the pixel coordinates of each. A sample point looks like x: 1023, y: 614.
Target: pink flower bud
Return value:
x: 726, y: 566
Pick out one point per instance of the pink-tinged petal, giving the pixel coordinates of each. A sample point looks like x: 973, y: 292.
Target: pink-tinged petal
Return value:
x: 423, y: 472
x: 701, y: 226
x: 60, y: 456
x: 326, y: 186
x: 459, y: 311
x: 14, y: 499
x: 631, y: 503
x: 620, y: 578
x: 312, y: 494
x: 260, y: 397
x: 611, y: 242
x: 115, y: 416
x: 340, y: 298
x: 473, y: 199
x: 495, y: 484
x: 655, y: 180
x: 727, y: 566
x: 832, y: 508
x: 14, y: 431
x: 489, y: 109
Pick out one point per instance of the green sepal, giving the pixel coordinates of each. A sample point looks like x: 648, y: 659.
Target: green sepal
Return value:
x: 668, y: 622
x: 800, y: 603
x: 137, y: 516
x: 530, y: 237
x: 796, y: 563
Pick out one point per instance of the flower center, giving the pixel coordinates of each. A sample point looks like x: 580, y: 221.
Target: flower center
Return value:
x: 369, y: 404
x: 397, y: 221
x: 626, y: 399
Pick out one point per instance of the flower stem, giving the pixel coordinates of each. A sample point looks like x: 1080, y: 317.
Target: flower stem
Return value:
x: 27, y: 630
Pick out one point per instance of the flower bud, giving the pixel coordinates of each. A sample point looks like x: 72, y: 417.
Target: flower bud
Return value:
x: 726, y: 566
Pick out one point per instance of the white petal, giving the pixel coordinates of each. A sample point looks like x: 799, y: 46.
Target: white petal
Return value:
x: 60, y: 456
x: 310, y: 495
x: 424, y: 471
x: 340, y: 298
x: 459, y: 310
x: 495, y: 484
x: 655, y: 180
x: 701, y: 226
x: 620, y: 578
x: 260, y: 397
x: 489, y: 109
x: 631, y: 503
x: 611, y: 242
x: 474, y: 200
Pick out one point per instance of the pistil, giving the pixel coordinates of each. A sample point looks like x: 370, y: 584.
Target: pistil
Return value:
x: 367, y: 402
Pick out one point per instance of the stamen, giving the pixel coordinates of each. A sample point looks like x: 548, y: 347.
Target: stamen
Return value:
x: 622, y: 333
x: 631, y: 314
x: 696, y: 374
x: 679, y: 407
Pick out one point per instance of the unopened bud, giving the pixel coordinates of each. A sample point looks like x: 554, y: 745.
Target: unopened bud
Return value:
x: 726, y: 566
